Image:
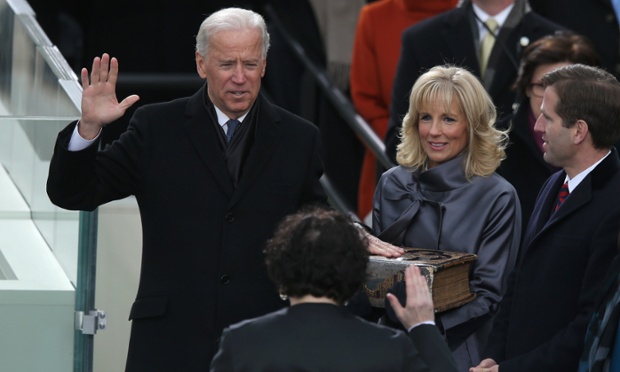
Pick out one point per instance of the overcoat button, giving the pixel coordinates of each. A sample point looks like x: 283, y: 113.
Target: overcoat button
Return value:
x: 229, y: 217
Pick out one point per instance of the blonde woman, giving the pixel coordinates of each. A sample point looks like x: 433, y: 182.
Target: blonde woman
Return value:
x: 445, y: 195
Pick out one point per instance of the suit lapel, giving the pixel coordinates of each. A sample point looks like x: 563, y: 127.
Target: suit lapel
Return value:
x: 204, y: 139
x: 582, y: 195
x: 457, y: 34
x: 265, y: 142
x: 542, y: 209
x: 503, y: 60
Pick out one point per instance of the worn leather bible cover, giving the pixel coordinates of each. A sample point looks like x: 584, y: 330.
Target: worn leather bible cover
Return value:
x: 447, y: 275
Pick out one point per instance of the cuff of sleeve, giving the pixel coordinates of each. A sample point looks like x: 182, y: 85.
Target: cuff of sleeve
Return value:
x: 77, y: 143
x: 429, y: 322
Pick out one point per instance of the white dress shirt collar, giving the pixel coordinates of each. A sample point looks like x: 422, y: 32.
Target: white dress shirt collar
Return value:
x: 222, y: 119
x: 575, y: 181
x: 482, y: 17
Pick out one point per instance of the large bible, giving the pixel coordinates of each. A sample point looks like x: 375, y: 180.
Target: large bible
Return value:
x: 447, y: 275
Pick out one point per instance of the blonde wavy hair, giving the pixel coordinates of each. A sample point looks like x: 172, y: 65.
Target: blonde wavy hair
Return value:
x: 486, y: 144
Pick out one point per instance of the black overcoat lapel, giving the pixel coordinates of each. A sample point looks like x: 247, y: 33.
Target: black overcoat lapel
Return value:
x: 204, y: 139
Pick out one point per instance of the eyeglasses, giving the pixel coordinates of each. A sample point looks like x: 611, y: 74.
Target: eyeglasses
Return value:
x: 537, y: 89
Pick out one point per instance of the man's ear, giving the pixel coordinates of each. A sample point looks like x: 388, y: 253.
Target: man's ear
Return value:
x: 581, y: 131
x: 201, y: 66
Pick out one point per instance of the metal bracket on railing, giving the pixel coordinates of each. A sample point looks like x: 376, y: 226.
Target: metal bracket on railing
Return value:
x: 90, y: 323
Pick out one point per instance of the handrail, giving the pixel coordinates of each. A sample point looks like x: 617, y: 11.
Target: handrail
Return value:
x: 186, y: 81
x: 336, y: 97
x: 335, y: 199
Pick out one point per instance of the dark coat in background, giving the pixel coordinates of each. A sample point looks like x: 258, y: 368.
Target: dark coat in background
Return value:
x: 595, y: 19
x: 449, y: 38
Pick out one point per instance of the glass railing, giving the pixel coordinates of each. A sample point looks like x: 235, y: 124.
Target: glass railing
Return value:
x: 39, y: 243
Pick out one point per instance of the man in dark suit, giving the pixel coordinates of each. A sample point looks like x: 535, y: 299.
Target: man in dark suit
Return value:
x: 455, y: 37
x: 318, y: 259
x: 207, y: 203
x: 571, y: 237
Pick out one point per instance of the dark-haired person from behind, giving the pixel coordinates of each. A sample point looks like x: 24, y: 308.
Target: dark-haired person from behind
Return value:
x: 524, y: 166
x: 318, y: 258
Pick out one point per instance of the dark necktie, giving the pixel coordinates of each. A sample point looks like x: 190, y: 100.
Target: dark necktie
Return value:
x: 232, y: 126
x: 562, y: 195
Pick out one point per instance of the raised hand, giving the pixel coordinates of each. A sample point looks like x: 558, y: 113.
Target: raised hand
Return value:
x: 419, y: 307
x: 99, y: 103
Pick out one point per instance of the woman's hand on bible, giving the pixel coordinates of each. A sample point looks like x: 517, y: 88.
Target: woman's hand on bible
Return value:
x: 378, y: 247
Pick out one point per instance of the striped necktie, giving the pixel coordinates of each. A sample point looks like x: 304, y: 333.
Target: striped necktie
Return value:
x: 562, y: 195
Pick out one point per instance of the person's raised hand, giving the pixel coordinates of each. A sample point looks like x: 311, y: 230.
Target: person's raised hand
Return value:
x: 99, y: 103
x: 419, y: 307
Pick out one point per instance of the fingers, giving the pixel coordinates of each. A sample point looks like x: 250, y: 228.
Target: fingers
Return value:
x: 419, y: 298
x: 105, y: 66
x: 417, y: 284
x: 383, y: 251
x: 486, y: 365
x: 419, y: 304
x: 99, y: 71
x: 396, y: 306
x: 381, y: 248
x: 84, y: 78
x: 94, y: 71
x: 113, y: 71
x: 411, y: 276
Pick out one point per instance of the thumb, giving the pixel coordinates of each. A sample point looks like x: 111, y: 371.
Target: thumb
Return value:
x: 398, y: 308
x: 129, y: 101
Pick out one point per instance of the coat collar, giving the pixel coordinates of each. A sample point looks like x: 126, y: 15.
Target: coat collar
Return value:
x: 444, y: 177
x: 459, y: 36
x: 268, y: 134
x: 204, y: 139
x: 597, y: 179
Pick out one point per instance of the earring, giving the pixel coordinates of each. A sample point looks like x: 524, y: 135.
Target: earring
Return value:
x: 283, y: 294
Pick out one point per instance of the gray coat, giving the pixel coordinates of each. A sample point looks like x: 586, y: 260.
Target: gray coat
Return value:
x: 439, y: 208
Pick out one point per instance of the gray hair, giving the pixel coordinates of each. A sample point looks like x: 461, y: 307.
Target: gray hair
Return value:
x: 230, y: 19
